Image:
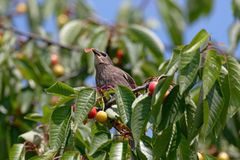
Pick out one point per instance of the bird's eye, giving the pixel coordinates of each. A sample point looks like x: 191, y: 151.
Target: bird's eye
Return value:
x: 103, y: 54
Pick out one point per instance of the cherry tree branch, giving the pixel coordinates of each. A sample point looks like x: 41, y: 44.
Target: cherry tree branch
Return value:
x: 39, y: 38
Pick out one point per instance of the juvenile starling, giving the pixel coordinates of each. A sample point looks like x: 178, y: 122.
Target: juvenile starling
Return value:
x: 109, y: 75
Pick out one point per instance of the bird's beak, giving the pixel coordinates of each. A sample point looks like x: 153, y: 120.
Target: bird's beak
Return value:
x: 96, y: 52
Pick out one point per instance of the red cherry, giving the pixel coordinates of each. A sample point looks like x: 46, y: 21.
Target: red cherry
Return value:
x: 92, y: 113
x: 54, y: 59
x: 119, y: 54
x: 151, y: 87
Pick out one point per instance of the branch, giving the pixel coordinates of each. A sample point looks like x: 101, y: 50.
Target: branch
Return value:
x: 37, y: 37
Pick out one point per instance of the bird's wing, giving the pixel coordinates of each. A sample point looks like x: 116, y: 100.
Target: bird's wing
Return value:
x: 126, y: 76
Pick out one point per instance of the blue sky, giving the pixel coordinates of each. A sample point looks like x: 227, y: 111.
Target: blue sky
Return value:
x: 217, y: 23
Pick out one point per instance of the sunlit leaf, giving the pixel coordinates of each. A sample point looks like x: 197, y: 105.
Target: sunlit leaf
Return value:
x: 119, y: 151
x: 70, y: 32
x: 199, y: 40
x: 85, y: 102
x: 211, y: 70
x: 17, y: 152
x: 60, y: 89
x: 71, y: 155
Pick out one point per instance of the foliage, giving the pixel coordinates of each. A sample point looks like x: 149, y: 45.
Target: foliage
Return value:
x: 43, y: 111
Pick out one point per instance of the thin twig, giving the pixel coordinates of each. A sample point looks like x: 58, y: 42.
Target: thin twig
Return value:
x: 37, y: 37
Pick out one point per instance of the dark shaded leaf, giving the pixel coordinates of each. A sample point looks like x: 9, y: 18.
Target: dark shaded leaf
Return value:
x: 186, y: 151
x: 59, y: 127
x: 174, y: 20
x: 234, y: 83
x: 140, y: 115
x: 163, y: 142
x: 99, y: 141
x: 198, y: 8
x: 125, y: 98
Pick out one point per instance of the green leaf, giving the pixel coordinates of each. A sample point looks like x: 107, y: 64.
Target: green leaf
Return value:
x: 99, y: 141
x: 99, y: 38
x: 71, y: 155
x: 173, y: 18
x: 198, y: 8
x: 186, y: 151
x: 125, y: 98
x: 86, y: 99
x: 211, y: 70
x: 197, y: 117
x: 146, y: 149
x: 234, y: 36
x: 119, y: 151
x: 59, y: 127
x: 199, y: 40
x: 34, y: 117
x: 132, y: 49
x: 43, y: 118
x: 216, y: 110
x: 149, y: 39
x: 234, y: 83
x: 17, y: 152
x: 27, y: 69
x: 172, y: 109
x: 157, y: 99
x: 49, y: 7
x: 70, y: 32
x: 236, y: 8
x: 189, y: 72
x: 140, y: 115
x: 209, y: 157
x: 163, y: 142
x: 174, y: 62
x: 60, y: 89
x: 49, y: 155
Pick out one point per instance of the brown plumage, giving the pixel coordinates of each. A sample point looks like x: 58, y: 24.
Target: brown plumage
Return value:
x: 109, y: 75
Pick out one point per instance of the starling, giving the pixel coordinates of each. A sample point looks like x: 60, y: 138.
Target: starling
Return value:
x: 109, y: 75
